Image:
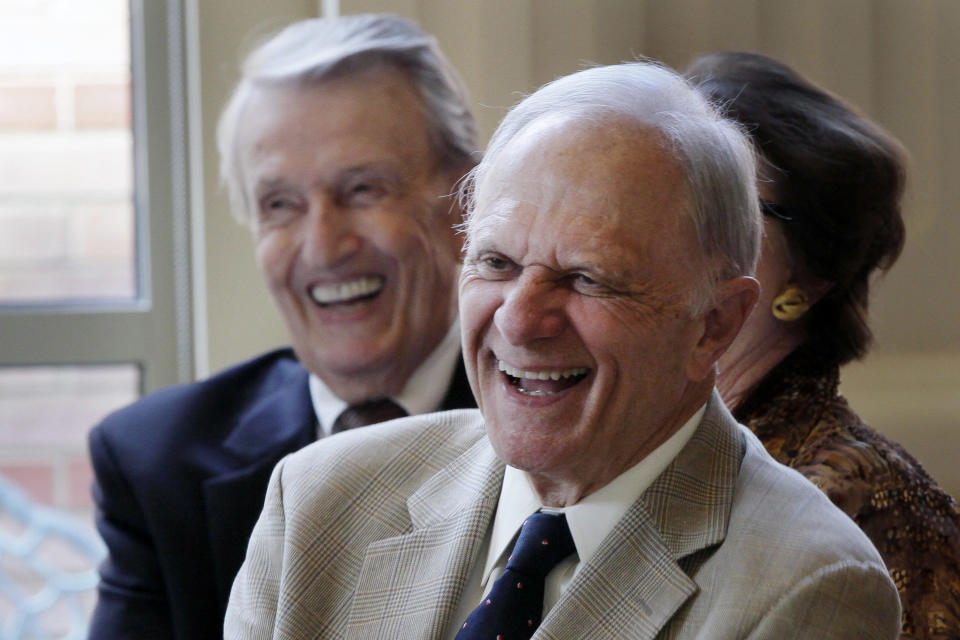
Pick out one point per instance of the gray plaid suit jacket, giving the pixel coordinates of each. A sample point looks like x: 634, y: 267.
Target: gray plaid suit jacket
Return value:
x: 372, y: 534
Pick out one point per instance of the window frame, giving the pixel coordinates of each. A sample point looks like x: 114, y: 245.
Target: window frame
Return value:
x: 153, y: 330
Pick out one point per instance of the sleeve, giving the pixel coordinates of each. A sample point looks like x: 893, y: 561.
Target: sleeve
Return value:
x: 844, y: 601
x: 252, y: 609
x: 131, y: 601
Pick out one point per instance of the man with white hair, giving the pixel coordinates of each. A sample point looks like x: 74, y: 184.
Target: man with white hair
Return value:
x: 602, y: 490
x: 341, y: 147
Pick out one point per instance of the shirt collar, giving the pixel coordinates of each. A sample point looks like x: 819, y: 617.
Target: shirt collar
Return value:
x: 423, y: 392
x: 595, y: 516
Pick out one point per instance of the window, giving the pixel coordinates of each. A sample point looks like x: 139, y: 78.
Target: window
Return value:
x: 66, y: 153
x: 94, y: 268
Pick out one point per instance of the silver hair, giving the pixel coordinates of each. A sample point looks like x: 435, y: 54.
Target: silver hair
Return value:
x: 309, y: 51
x: 717, y: 157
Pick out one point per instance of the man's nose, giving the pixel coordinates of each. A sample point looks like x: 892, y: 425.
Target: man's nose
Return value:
x: 329, y: 232
x: 532, y: 309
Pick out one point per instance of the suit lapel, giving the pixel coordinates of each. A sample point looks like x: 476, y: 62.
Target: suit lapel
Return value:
x: 281, y: 422
x: 410, y: 585
x: 630, y: 590
x: 636, y: 583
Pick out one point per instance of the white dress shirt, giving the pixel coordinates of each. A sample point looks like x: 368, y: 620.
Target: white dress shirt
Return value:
x: 590, y: 521
x: 423, y: 393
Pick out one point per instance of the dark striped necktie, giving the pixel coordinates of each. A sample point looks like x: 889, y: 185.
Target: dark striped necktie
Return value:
x: 370, y: 412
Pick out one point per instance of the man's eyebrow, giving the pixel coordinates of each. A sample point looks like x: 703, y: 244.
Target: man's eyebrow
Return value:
x: 612, y: 270
x: 265, y: 185
x: 480, y: 228
x: 476, y: 245
x: 480, y: 237
x: 384, y: 170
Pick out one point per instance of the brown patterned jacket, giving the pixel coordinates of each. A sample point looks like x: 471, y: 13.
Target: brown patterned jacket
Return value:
x: 799, y: 415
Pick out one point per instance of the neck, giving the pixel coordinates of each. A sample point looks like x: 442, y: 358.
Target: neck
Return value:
x: 357, y: 389
x: 743, y: 367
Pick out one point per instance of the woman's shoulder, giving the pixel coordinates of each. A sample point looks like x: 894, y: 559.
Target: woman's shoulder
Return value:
x: 914, y: 524
x: 804, y: 422
x: 864, y: 471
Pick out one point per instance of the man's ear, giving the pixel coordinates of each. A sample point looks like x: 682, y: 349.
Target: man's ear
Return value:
x: 734, y: 300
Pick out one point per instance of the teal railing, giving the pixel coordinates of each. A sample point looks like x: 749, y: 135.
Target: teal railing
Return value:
x: 48, y: 571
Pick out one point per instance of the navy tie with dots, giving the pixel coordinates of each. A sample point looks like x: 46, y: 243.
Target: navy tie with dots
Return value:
x: 512, y: 609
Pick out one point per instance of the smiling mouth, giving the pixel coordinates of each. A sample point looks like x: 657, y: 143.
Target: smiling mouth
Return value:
x: 545, y: 382
x: 351, y: 292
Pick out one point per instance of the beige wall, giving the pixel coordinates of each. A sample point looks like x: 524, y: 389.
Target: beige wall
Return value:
x: 240, y: 320
x: 895, y: 59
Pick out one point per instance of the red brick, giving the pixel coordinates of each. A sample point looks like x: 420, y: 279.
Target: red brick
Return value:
x: 35, y: 236
x: 102, y: 106
x: 105, y: 232
x: 80, y: 475
x: 27, y: 107
x: 35, y: 479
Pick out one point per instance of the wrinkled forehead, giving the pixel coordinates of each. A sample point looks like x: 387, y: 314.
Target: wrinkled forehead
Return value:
x: 610, y: 167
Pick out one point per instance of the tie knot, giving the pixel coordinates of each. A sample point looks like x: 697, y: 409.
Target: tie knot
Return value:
x: 544, y: 541
x: 370, y: 412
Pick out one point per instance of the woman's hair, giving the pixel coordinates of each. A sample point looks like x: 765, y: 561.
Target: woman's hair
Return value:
x: 838, y: 177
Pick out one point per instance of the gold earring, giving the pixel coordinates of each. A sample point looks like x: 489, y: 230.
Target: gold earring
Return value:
x: 791, y: 304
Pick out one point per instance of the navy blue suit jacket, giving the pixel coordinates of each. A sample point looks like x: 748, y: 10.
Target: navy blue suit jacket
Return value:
x: 180, y: 478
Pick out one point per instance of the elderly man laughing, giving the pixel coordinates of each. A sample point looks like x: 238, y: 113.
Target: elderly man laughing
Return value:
x: 340, y: 146
x: 601, y: 490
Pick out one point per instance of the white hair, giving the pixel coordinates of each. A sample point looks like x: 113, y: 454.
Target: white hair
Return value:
x: 309, y: 51
x: 716, y: 156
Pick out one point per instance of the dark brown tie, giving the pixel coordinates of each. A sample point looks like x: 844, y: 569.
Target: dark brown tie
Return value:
x: 371, y: 412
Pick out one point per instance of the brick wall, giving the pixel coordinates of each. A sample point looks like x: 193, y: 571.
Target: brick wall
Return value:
x: 45, y: 416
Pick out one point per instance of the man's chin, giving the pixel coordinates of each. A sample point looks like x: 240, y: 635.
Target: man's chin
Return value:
x: 354, y: 369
